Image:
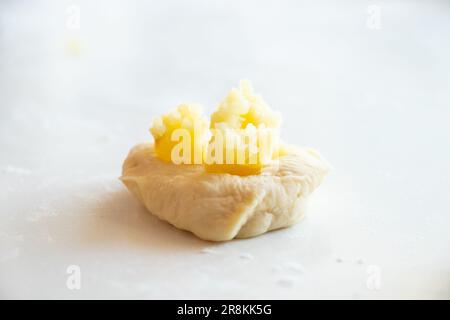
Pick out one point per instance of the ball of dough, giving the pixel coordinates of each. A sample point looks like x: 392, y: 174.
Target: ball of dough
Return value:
x: 220, y: 207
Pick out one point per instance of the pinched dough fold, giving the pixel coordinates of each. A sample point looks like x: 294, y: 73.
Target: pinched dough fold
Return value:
x: 220, y: 207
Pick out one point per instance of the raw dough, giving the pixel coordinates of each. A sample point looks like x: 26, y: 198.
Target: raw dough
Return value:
x: 220, y: 207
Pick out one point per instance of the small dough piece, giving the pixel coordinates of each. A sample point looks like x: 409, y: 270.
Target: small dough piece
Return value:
x: 220, y: 207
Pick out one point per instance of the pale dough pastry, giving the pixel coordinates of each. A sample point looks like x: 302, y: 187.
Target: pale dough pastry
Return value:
x: 220, y: 207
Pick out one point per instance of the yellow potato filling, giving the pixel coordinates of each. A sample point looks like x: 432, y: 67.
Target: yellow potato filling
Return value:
x: 251, y: 129
x: 241, y: 138
x: 181, y: 135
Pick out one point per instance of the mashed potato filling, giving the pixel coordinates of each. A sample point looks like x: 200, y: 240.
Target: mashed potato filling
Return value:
x: 242, y: 137
x: 251, y: 131
x: 181, y: 135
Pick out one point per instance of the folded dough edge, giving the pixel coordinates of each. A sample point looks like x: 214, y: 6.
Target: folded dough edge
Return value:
x: 220, y: 207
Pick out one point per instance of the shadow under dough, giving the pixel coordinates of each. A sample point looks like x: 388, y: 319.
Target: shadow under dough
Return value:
x: 120, y: 219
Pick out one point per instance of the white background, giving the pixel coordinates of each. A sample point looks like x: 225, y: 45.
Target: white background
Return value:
x: 370, y: 91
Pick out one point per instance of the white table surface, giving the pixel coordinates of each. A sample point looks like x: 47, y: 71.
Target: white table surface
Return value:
x: 373, y: 97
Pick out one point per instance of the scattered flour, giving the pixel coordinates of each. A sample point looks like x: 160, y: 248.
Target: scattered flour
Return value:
x: 289, y: 267
x: 41, y: 212
x: 10, y: 254
x: 288, y: 273
x: 16, y: 170
x: 286, y: 282
x: 294, y: 267
x: 9, y: 246
x: 208, y: 251
x: 246, y: 256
